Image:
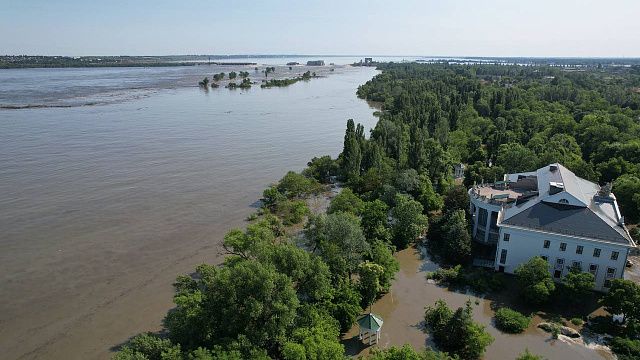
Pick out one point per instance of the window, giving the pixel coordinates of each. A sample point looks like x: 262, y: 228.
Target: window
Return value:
x: 576, y: 265
x: 563, y: 246
x: 579, y: 249
x: 506, y: 237
x: 614, y: 255
x: 557, y: 274
x: 545, y: 258
x: 611, y: 273
x: 503, y: 256
x: 559, y: 261
x: 607, y: 283
x: 547, y: 243
x: 596, y: 252
x: 482, y: 217
x: 593, y: 269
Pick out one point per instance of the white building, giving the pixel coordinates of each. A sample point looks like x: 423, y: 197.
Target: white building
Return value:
x: 550, y: 212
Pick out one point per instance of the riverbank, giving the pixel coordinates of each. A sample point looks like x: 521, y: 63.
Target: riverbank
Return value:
x: 402, y: 310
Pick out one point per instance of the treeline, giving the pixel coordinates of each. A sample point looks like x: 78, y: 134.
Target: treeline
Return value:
x: 286, y: 82
x: 515, y: 118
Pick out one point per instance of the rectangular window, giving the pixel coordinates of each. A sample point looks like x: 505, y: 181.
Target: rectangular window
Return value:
x: 579, y: 249
x: 576, y: 265
x: 506, y: 237
x: 559, y: 261
x: 593, y: 269
x: 545, y: 258
x: 547, y: 243
x: 503, y: 256
x: 482, y: 217
x: 596, y: 252
x: 563, y: 246
x: 611, y: 273
x: 614, y: 255
x: 607, y: 283
x: 557, y: 274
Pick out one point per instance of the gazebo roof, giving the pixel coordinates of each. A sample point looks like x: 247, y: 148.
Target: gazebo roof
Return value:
x: 370, y: 322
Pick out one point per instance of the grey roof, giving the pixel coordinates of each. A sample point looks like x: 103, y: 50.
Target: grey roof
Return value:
x: 567, y: 220
x: 585, y: 216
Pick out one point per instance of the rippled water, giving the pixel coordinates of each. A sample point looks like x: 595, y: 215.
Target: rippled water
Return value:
x: 102, y: 206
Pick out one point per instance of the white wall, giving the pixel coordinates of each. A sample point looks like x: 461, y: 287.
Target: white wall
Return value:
x: 524, y: 244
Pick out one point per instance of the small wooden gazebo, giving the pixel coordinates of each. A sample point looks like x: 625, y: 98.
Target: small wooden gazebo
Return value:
x: 370, y: 326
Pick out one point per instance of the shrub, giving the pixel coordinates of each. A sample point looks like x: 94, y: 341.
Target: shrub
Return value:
x: 577, y: 321
x: 479, y: 280
x: 625, y: 349
x: 511, y: 321
x: 527, y: 355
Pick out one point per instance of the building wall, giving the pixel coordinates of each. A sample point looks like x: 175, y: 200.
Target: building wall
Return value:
x: 474, y: 209
x: 524, y: 244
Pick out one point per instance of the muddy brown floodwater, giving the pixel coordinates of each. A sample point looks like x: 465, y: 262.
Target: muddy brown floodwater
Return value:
x: 402, y: 311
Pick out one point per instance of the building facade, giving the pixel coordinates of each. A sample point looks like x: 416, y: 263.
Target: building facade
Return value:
x: 551, y: 213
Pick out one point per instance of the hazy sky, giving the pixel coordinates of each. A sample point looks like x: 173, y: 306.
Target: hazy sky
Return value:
x: 400, y: 27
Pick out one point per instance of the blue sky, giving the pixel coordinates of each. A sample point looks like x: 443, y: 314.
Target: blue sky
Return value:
x: 402, y: 27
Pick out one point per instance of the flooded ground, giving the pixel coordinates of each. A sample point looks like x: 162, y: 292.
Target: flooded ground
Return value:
x: 402, y: 311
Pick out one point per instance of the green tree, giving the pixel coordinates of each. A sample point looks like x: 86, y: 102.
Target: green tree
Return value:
x: 345, y: 305
x: 515, y: 157
x: 147, y: 346
x: 623, y: 298
x: 341, y: 243
x: 369, y: 275
x: 456, y: 198
x: 375, y: 221
x: 322, y: 169
x: 627, y: 191
x: 207, y: 313
x: 346, y: 201
x: 534, y: 280
x: 409, y: 222
x: 577, y: 285
x: 427, y: 195
x: 294, y: 185
x: 455, y: 244
x: 352, y: 153
x: 456, y: 332
x: 382, y: 255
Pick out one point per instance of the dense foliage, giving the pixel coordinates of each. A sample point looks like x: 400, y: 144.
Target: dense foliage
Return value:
x: 511, y: 321
x: 534, y: 280
x: 455, y: 331
x: 515, y: 118
x: 406, y: 352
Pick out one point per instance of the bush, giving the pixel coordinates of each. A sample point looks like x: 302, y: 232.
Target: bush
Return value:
x: 625, y: 349
x: 479, y: 280
x: 527, y: 355
x: 511, y: 321
x: 577, y: 321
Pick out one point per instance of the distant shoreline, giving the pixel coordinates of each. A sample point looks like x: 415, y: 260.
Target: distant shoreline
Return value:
x: 28, y: 61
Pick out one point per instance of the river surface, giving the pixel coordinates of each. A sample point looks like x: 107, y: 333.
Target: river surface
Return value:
x: 102, y: 206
